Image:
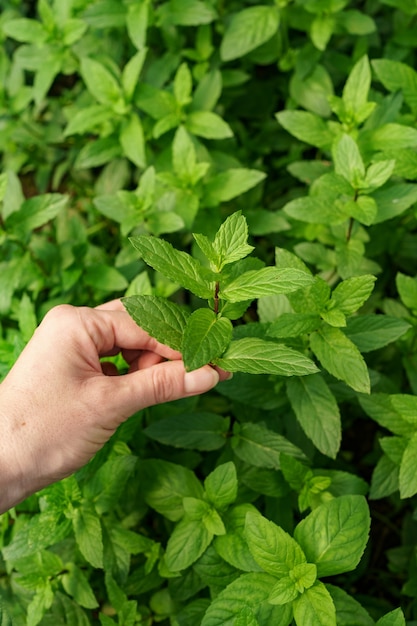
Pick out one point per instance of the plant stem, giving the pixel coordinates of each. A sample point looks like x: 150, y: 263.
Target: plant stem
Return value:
x: 216, y: 297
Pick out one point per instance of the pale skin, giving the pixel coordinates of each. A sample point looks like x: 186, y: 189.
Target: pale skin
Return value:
x: 60, y: 403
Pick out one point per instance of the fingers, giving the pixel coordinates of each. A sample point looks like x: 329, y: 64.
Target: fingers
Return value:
x: 163, y: 382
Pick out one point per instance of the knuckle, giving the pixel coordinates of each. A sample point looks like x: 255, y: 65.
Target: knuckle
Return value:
x: 163, y: 386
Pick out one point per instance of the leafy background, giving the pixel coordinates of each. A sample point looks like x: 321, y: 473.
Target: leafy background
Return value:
x: 129, y: 118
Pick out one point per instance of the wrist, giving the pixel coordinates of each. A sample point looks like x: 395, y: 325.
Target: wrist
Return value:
x: 17, y: 476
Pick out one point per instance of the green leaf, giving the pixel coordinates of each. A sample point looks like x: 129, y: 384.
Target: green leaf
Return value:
x: 364, y: 209
x: 191, y: 12
x: 371, y: 332
x: 88, y: 119
x: 352, y: 293
x: 348, y: 160
x: 137, y: 25
x: 230, y: 243
x: 385, y: 478
x: 394, y: 200
x: 233, y: 547
x: 259, y: 446
x: 406, y: 406
x: 271, y: 547
x: 221, y: 485
x: 206, y: 337
x: 316, y: 210
x: 231, y: 183
x: 40, y: 603
x: 408, y: 474
x: 88, y: 535
x: 248, y: 591
x: 356, y: 89
x: 394, y: 618
x: 283, y: 592
x: 208, y: 125
x: 335, y: 534
x: 340, y: 357
x: 188, y: 541
x: 165, y: 485
x: 133, y: 67
x: 100, y: 82
x: 162, y: 319
x: 380, y: 407
x: 176, y: 265
x: 257, y: 356
x: 378, y: 173
x: 25, y: 30
x: 348, y: 610
x: 293, y: 324
x: 315, y: 607
x: 247, y: 30
x: 183, y: 85
x: 98, y: 152
x: 397, y: 76
x: 77, y: 586
x: 265, y: 282
x: 132, y: 140
x: 35, y: 212
x: 192, y: 431
x: 306, y: 127
x: 104, y: 277
x: 407, y: 288
x: 317, y: 411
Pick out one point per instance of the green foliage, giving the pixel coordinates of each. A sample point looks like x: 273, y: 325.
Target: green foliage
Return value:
x: 243, y: 175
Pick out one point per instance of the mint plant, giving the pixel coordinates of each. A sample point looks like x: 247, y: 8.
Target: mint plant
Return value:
x: 261, y: 157
x: 206, y: 335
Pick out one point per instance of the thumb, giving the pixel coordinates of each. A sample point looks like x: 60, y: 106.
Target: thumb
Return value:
x: 160, y: 383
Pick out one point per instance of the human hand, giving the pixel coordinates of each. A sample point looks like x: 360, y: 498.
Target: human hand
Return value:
x: 60, y: 404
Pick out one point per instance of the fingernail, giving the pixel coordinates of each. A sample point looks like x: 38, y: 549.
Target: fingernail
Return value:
x: 201, y: 380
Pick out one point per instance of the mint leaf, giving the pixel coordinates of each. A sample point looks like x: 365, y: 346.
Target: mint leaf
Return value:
x: 265, y: 282
x: 35, y: 212
x: 88, y: 535
x: 176, y: 265
x: 348, y: 161
x: 259, y: 446
x: 335, y: 534
x: 272, y: 548
x: 293, y: 325
x: 356, y: 89
x: 231, y: 240
x: 371, y: 332
x: 233, y: 547
x: 257, y: 356
x: 100, y: 82
x: 248, y: 591
x: 394, y: 618
x: 348, y: 610
x: 306, y: 127
x: 283, y: 591
x: 408, y: 474
x: 165, y: 485
x: 162, y: 319
x: 407, y: 288
x: 352, y: 293
x: 206, y: 336
x: 208, y: 125
x: 229, y: 184
x: 340, y: 357
x: 317, y: 411
x: 221, y: 485
x: 186, y: 544
x: 247, y: 30
x: 193, y: 431
x: 315, y: 607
